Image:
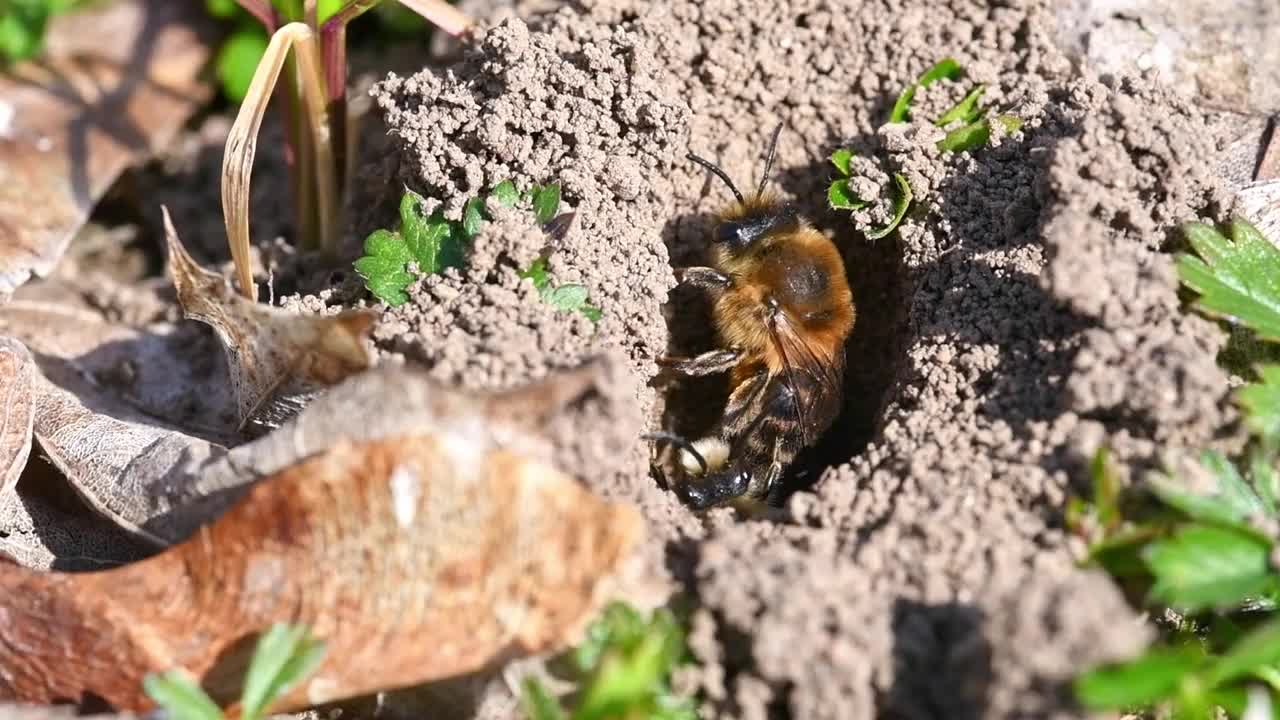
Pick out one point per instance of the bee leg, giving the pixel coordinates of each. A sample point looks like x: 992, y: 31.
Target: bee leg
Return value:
x: 708, y: 363
x: 703, y: 277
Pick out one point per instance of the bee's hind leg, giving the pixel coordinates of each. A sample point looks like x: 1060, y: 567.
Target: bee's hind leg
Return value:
x: 703, y: 277
x: 708, y: 363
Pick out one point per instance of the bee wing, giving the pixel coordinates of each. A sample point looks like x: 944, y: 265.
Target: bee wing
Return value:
x: 800, y: 357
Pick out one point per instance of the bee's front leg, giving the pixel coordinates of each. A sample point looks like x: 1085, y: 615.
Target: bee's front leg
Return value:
x: 708, y: 363
x: 703, y: 277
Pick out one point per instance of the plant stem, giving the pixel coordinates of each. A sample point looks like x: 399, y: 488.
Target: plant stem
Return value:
x: 333, y: 53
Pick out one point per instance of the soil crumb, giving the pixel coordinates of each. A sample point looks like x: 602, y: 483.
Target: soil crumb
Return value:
x: 1024, y: 314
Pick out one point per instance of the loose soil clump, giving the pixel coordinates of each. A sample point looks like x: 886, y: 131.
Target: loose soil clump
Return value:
x: 1024, y: 313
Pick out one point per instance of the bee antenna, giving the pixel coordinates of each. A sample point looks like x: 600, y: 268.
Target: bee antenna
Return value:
x: 680, y: 442
x: 768, y: 163
x: 715, y: 169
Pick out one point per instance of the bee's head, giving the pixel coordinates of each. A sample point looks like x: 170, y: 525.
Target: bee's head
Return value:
x: 750, y: 220
x: 755, y: 220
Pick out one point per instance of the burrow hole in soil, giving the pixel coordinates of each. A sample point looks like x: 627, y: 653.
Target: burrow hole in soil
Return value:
x: 875, y: 273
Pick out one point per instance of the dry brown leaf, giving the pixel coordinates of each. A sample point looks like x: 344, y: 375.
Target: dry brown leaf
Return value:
x: 73, y: 120
x: 268, y: 347
x: 413, y: 559
x: 1260, y: 204
x: 17, y: 411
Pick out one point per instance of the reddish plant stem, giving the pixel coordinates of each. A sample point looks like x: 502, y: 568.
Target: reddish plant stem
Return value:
x: 262, y: 10
x: 333, y: 53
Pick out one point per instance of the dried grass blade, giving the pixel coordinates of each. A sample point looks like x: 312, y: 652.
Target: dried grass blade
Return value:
x: 237, y: 163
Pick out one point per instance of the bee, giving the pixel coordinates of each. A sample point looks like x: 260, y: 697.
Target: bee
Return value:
x: 782, y: 311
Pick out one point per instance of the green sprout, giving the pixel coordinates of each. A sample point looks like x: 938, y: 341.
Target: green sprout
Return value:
x: 621, y: 671
x: 284, y: 655
x: 1205, y: 554
x: 434, y: 243
x: 840, y: 195
x: 975, y: 125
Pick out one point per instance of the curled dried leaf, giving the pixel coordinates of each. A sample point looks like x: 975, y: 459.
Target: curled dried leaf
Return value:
x: 268, y: 349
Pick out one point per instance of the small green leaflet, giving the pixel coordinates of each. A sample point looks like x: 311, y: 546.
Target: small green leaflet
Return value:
x: 431, y: 242
x: 285, y: 654
x: 505, y: 193
x: 841, y: 159
x: 1144, y: 681
x: 1207, y: 566
x: 901, y: 201
x: 538, y: 703
x: 546, y: 202
x: 1238, y: 279
x: 965, y: 111
x: 571, y: 297
x: 840, y: 196
x: 1233, y: 502
x: 180, y: 696
x: 946, y: 68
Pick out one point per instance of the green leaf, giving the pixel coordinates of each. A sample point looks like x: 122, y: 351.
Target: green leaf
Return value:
x: 945, y: 68
x: 1260, y: 647
x: 841, y: 197
x: 1009, y: 123
x: 538, y: 703
x: 1143, y: 681
x: 1205, y: 566
x: 900, y: 204
x: 472, y: 217
x: 633, y: 670
x: 537, y: 272
x: 430, y: 240
x: 505, y: 193
x: 1261, y: 403
x: 592, y: 312
x: 619, y: 624
x: 546, y: 203
x: 285, y: 654
x: 383, y: 266
x: 238, y: 59
x: 974, y: 135
x: 965, y: 111
x: 1231, y: 503
x: 1238, y: 280
x: 180, y: 696
x: 567, y: 297
x: 841, y: 159
x: 22, y: 28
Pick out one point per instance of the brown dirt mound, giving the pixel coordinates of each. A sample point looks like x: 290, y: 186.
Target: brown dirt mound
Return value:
x: 1023, y: 314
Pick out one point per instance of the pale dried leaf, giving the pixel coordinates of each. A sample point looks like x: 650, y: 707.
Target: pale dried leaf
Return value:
x: 84, y: 112
x: 43, y: 533
x: 266, y: 346
x: 17, y: 410
x: 414, y: 558
x: 1259, y: 203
